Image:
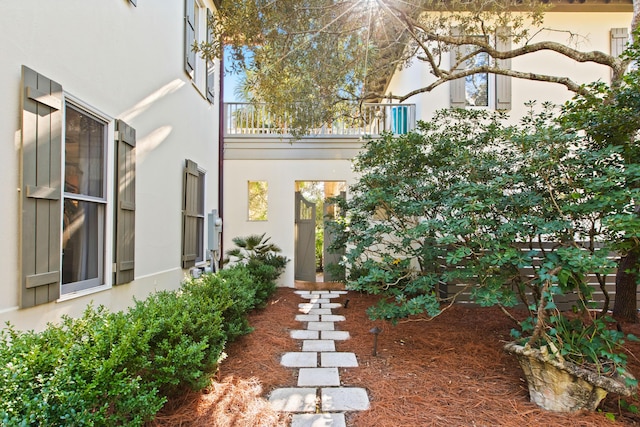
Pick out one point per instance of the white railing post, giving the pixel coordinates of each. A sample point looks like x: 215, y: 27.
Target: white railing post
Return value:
x: 364, y: 119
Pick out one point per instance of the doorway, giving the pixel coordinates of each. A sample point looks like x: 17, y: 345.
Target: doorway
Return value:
x: 315, y: 260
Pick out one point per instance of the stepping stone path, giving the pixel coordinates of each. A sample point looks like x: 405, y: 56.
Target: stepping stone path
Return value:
x: 319, y: 399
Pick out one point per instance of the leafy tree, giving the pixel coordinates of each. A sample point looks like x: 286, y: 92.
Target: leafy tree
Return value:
x: 460, y: 201
x: 313, y: 56
x: 322, y: 52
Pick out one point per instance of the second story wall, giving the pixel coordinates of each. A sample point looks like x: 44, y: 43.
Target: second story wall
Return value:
x: 590, y: 31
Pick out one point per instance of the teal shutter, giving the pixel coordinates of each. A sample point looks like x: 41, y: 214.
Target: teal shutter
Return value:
x: 399, y: 115
x: 189, y: 36
x: 211, y: 72
x: 125, y: 203
x: 457, y: 86
x: 41, y: 188
x: 190, y: 214
x: 503, y: 83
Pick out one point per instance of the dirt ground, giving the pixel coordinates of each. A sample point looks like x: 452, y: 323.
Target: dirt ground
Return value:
x: 450, y: 371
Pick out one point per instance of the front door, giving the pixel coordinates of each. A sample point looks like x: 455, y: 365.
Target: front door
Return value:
x: 305, y: 240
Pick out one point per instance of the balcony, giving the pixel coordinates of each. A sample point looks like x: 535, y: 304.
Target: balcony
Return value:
x: 254, y: 121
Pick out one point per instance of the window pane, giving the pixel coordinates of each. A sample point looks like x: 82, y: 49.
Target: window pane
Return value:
x: 82, y: 240
x: 477, y: 85
x: 258, y: 200
x: 84, y: 154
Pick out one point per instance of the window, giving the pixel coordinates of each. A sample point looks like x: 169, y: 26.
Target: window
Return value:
x: 197, y: 30
x: 193, y: 208
x: 84, y: 205
x: 477, y: 85
x: 482, y: 89
x: 258, y: 205
x: 65, y: 206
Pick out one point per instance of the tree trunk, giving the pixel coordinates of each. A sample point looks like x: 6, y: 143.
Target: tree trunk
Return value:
x: 625, y: 307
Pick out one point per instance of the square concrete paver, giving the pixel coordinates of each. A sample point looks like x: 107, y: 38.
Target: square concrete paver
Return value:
x: 293, y: 399
x: 320, y: 326
x: 318, y: 345
x: 338, y: 359
x: 299, y: 334
x: 319, y: 311
x: 305, y: 307
x: 330, y: 305
x: 344, y: 399
x: 301, y: 292
x: 308, y: 318
x: 307, y: 359
x: 334, y: 335
x: 332, y: 318
x: 318, y: 377
x: 318, y: 420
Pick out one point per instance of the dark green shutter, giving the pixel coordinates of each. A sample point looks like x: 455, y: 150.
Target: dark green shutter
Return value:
x: 211, y: 81
x: 189, y: 36
x: 190, y: 215
x: 457, y: 87
x: 503, y: 83
x: 125, y: 203
x: 41, y: 188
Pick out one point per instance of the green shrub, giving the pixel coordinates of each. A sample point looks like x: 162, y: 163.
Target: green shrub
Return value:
x: 186, y: 339
x: 262, y: 259
x: 82, y: 372
x: 110, y: 369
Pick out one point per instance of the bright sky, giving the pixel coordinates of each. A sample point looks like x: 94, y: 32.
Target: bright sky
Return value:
x: 230, y: 83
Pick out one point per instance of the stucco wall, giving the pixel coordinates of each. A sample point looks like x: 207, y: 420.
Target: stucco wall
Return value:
x: 281, y: 176
x: 127, y: 63
x: 268, y: 165
x: 593, y: 33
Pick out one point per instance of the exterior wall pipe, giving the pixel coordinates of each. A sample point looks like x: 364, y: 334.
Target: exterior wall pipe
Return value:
x: 221, y: 127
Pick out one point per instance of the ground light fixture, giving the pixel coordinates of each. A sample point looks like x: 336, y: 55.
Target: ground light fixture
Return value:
x: 375, y: 331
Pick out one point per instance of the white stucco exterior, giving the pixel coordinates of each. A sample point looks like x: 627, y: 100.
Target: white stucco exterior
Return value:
x: 281, y: 164
x: 281, y: 176
x: 124, y: 62
x: 591, y: 31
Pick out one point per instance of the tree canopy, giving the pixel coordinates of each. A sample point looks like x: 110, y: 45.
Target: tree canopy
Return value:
x: 323, y: 52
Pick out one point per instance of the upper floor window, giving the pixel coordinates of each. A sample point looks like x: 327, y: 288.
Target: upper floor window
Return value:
x: 481, y: 89
x: 197, y: 30
x: 478, y: 86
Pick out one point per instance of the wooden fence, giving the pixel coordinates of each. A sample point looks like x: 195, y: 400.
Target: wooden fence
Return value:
x: 462, y: 291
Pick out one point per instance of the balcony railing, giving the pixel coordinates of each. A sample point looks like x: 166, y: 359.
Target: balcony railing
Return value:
x: 247, y: 119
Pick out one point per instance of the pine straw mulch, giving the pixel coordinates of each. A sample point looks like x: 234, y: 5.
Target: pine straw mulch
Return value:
x: 450, y: 371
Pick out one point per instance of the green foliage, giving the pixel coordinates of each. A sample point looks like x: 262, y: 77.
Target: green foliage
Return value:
x: 185, y: 338
x: 85, y: 371
x: 112, y: 369
x: 468, y: 200
x: 262, y: 259
x: 595, y: 343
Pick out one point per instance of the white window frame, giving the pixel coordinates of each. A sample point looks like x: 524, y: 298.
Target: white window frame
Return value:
x: 491, y: 85
x: 199, y: 77
x: 104, y: 280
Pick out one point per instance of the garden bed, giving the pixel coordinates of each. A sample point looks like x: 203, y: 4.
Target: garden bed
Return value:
x: 451, y: 371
